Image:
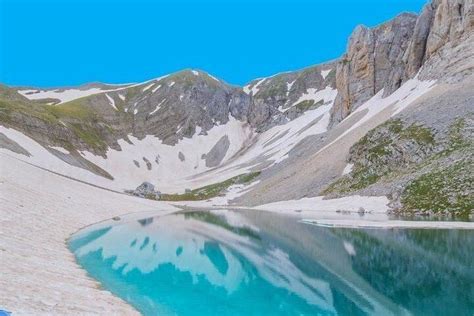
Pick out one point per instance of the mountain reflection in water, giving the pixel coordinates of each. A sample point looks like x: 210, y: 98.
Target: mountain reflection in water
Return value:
x: 257, y: 263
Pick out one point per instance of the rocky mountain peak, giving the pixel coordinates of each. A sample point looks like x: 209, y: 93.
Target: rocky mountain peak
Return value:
x: 386, y: 56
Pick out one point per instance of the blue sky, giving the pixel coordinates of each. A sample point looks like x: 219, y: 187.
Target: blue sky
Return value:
x: 48, y: 43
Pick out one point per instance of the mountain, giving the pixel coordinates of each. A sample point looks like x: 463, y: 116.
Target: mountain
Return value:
x: 392, y: 117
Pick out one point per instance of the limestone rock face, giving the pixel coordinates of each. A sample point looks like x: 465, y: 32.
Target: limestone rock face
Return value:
x: 373, y: 61
x: 439, y: 42
x: 452, y: 19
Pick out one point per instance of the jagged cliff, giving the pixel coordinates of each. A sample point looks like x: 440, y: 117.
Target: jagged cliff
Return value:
x: 388, y: 55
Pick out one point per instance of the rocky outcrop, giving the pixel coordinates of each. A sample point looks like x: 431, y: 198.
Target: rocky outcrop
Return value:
x: 146, y: 190
x: 373, y: 61
x: 439, y: 39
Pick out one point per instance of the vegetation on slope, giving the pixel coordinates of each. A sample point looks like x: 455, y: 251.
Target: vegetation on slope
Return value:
x: 434, y: 175
x: 212, y: 190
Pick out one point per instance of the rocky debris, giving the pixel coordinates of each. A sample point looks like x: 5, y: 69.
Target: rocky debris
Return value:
x: 148, y: 163
x: 217, y: 153
x: 145, y: 190
x: 181, y: 156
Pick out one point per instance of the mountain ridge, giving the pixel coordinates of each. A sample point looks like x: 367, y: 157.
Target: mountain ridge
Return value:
x: 189, y: 129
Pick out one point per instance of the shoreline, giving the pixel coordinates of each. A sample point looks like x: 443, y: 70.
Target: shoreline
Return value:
x: 390, y: 224
x: 40, y: 211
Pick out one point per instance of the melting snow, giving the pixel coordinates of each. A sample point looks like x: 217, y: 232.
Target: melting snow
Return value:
x: 326, y: 95
x: 62, y: 95
x: 325, y: 73
x: 111, y: 102
x: 254, y: 89
x: 156, y: 88
x: 288, y: 87
x: 148, y: 87
x: 157, y: 107
x: 347, y: 169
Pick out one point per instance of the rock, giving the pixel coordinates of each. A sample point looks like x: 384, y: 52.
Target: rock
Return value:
x: 146, y: 190
x: 217, y: 153
x: 373, y: 61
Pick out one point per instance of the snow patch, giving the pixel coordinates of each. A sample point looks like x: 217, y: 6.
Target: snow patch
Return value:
x: 111, y: 102
x: 288, y: 87
x: 347, y: 169
x: 325, y: 73
x: 375, y: 204
x: 254, y: 90
x: 60, y: 149
x: 148, y: 87
x: 156, y: 88
x: 157, y: 107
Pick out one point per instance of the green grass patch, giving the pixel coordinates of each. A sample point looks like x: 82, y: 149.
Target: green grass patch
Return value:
x: 307, y: 104
x: 443, y: 190
x: 420, y: 134
x: 211, y: 190
x: 88, y: 135
x: 72, y: 110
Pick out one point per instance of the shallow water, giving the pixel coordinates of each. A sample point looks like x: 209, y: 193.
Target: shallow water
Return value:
x: 258, y: 263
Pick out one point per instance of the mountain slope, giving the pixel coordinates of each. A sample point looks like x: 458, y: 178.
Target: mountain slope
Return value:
x: 310, y: 132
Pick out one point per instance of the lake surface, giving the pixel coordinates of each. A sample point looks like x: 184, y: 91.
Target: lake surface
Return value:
x: 258, y: 263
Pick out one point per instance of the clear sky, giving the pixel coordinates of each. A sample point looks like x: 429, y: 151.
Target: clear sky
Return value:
x: 49, y: 43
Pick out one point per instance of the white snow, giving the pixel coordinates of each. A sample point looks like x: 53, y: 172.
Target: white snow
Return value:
x: 288, y: 87
x: 63, y: 95
x: 157, y: 107
x: 195, y: 72
x: 67, y: 95
x: 399, y: 100
x: 135, y: 111
x: 121, y: 96
x: 254, y: 89
x: 211, y: 76
x: 171, y: 175
x: 347, y: 169
x: 39, y: 211
x: 374, y: 204
x: 156, y: 88
x: 171, y: 84
x: 148, y: 86
x: 111, y: 101
x: 390, y: 224
x: 325, y: 73
x: 60, y: 149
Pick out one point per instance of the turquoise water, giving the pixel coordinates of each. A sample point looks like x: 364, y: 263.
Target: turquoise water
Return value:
x: 256, y: 263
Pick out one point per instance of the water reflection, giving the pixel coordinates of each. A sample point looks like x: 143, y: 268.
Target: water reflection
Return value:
x: 254, y: 263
